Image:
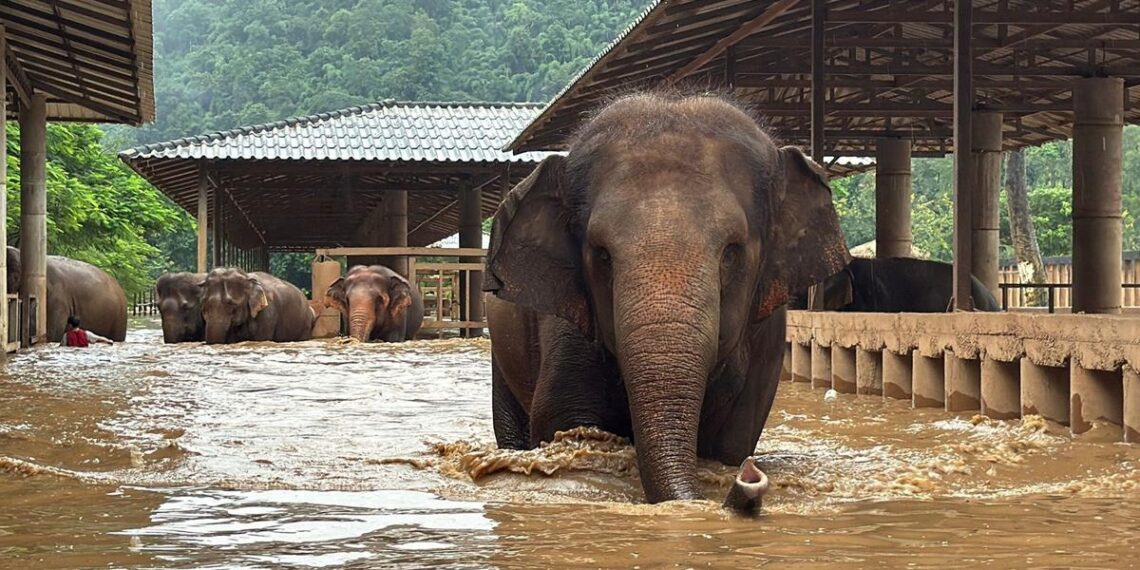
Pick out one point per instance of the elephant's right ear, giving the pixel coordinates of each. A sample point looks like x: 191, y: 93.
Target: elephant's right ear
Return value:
x: 534, y: 259
x: 336, y: 297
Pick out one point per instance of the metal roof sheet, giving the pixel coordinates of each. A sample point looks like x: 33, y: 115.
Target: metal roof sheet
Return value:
x: 389, y: 131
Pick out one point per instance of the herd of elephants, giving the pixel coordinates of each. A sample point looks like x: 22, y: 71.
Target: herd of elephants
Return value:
x: 638, y: 284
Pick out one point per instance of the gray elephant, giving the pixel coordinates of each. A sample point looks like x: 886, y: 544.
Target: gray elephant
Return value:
x: 180, y: 304
x: 77, y: 288
x: 378, y: 303
x: 239, y: 306
x: 896, y: 285
x: 639, y: 286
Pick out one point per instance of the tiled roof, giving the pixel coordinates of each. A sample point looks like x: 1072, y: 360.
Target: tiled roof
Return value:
x: 386, y: 131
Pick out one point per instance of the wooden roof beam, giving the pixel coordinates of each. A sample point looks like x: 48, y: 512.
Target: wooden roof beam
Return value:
x: 774, y: 11
x: 17, y: 78
x: 985, y: 17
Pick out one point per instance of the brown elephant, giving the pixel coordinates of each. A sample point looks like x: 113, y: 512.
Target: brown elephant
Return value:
x: 378, y: 303
x: 77, y: 288
x: 239, y: 306
x: 180, y: 304
x: 641, y: 283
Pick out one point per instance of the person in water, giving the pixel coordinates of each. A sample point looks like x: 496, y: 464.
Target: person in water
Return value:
x: 76, y: 336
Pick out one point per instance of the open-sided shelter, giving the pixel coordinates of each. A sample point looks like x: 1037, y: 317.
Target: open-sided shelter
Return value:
x: 900, y: 78
x: 64, y: 60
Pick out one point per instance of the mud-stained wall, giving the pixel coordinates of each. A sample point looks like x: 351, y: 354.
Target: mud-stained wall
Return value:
x: 1073, y: 369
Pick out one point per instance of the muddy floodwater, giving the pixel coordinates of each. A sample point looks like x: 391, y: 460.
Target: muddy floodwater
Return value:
x: 327, y: 454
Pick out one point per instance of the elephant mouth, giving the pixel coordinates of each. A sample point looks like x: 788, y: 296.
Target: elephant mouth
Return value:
x: 748, y: 489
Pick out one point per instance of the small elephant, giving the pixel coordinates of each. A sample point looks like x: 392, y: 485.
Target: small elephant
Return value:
x: 378, y: 303
x: 180, y: 304
x: 77, y: 288
x: 896, y: 285
x: 639, y: 285
x: 239, y: 306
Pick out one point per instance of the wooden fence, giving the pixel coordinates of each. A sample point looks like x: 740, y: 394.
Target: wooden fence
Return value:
x: 1059, y: 271
x: 445, y: 284
x: 144, y: 303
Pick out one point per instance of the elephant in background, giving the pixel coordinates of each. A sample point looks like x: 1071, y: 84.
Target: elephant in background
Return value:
x: 896, y: 285
x: 239, y: 306
x: 77, y: 288
x: 378, y: 303
x: 180, y: 304
x: 639, y: 285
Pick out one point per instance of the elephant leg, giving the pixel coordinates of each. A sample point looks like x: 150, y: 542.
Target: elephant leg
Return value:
x: 577, y: 386
x: 512, y: 426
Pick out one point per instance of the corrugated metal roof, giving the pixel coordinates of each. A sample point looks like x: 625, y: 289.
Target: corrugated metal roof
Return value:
x: 389, y: 131
x: 92, y: 59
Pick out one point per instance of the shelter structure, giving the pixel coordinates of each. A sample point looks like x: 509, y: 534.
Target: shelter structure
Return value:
x: 897, y: 79
x: 63, y: 60
x: 387, y: 175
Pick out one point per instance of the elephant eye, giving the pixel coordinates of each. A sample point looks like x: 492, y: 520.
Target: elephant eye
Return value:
x: 730, y: 257
x: 603, y: 255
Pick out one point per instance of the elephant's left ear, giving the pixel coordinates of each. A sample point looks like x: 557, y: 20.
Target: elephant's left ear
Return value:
x: 258, y: 300
x: 399, y: 296
x: 806, y: 245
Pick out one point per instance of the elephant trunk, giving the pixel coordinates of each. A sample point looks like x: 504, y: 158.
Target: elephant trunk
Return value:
x: 361, y: 320
x: 666, y: 341
x: 216, y: 332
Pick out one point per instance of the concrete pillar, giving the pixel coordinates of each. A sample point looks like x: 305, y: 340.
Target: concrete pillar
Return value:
x: 801, y: 362
x: 3, y: 199
x: 892, y: 198
x: 928, y: 381
x: 963, y: 382
x: 820, y: 365
x: 844, y: 370
x: 1095, y: 395
x: 1098, y: 123
x: 897, y: 374
x: 1001, y: 389
x: 1045, y: 391
x: 203, y: 222
x: 395, y: 229
x: 1131, y: 406
x: 868, y: 372
x: 986, y: 154
x: 786, y: 370
x: 33, y: 213
x: 471, y: 235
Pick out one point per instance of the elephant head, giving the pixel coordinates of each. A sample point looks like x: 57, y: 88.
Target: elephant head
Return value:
x: 231, y: 300
x: 180, y: 304
x: 369, y: 297
x: 671, y: 227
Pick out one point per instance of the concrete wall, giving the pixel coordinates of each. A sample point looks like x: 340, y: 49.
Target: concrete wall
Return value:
x: 1076, y: 370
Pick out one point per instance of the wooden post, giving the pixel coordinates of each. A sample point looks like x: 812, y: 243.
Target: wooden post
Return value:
x: 963, y: 165
x: 203, y: 222
x: 219, y: 259
x: 33, y: 214
x: 471, y: 235
x: 3, y: 197
x: 818, y: 99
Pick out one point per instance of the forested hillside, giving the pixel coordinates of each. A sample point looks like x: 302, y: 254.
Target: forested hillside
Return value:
x: 225, y: 63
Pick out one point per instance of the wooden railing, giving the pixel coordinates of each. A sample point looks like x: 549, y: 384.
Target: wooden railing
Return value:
x: 144, y: 303
x: 445, y: 285
x: 1058, y: 273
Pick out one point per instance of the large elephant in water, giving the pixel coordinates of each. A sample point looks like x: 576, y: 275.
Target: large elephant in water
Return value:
x: 180, y: 304
x: 239, y: 306
x: 639, y: 284
x: 378, y: 303
x: 77, y: 288
x: 896, y: 285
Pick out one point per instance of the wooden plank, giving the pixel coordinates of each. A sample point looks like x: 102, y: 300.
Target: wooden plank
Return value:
x: 963, y: 164
x: 453, y: 325
x: 450, y: 266
x: 774, y: 11
x: 424, y: 251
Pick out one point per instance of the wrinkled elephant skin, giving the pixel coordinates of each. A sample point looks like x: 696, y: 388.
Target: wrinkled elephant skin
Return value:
x: 639, y: 282
x: 239, y: 306
x: 180, y: 304
x: 81, y: 289
x: 377, y: 303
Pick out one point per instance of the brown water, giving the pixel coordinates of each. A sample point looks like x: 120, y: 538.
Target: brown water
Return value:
x: 326, y: 454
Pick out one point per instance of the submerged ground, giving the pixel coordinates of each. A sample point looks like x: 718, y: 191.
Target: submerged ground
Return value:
x: 326, y: 454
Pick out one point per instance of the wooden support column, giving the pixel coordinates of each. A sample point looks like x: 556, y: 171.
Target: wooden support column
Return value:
x: 33, y: 214
x: 203, y: 221
x: 818, y: 91
x: 986, y: 144
x: 1098, y: 106
x: 3, y: 198
x: 893, y: 193
x: 963, y: 166
x: 471, y: 235
x: 395, y: 229
x: 219, y: 257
